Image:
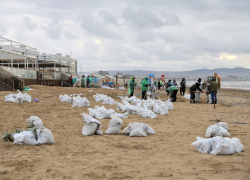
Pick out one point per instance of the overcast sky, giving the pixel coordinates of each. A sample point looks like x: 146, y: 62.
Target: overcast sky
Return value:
x: 134, y: 34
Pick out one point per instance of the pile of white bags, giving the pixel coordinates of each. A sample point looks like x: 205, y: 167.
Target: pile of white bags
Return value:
x: 66, y: 98
x: 114, y: 125
x: 103, y: 113
x: 104, y: 98
x: 77, y: 100
x: 218, y: 145
x: 146, y: 108
x: 80, y: 102
x: 44, y: 135
x: 35, y: 120
x: 138, y: 130
x: 217, y: 130
x: 18, y: 98
x: 92, y: 126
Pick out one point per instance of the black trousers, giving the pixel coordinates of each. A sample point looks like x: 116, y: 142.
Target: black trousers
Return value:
x: 192, y: 97
x: 182, y: 90
x: 131, y: 94
x: 174, y: 95
x: 144, y: 95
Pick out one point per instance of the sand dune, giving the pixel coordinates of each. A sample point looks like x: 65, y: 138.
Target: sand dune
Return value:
x: 165, y: 155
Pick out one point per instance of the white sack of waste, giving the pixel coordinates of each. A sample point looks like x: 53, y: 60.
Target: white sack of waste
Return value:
x: 157, y: 109
x: 66, y: 98
x: 20, y: 97
x: 10, y: 96
x: 163, y: 109
x: 218, y: 145
x: 25, y: 138
x: 136, y: 130
x: 91, y: 126
x: 34, y: 120
x: 11, y: 100
x: 27, y: 98
x: 44, y: 136
x: 215, y: 130
x: 187, y: 96
x: 170, y: 106
x: 203, y: 145
x: 92, y: 112
x: 226, y: 146
x: 223, y: 124
x: 114, y: 125
x: 146, y: 128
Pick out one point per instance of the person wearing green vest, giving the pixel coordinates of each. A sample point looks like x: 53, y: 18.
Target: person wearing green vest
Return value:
x: 131, y: 87
x: 83, y: 81
x: 173, y: 91
x: 214, y: 86
x: 144, y: 88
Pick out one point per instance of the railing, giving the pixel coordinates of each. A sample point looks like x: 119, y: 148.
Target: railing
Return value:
x: 21, y: 73
x: 11, y: 80
x: 6, y: 84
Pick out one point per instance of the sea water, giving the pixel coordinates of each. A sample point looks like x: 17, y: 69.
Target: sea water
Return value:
x: 244, y: 85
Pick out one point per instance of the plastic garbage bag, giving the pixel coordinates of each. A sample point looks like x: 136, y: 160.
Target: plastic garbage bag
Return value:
x: 34, y: 120
x: 27, y: 98
x: 215, y: 130
x: 25, y: 138
x: 91, y: 126
x: 44, y: 136
x: 114, y: 125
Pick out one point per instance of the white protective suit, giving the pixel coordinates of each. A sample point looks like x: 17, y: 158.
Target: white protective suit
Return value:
x: 152, y: 88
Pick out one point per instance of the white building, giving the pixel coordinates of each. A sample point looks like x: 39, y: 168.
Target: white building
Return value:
x: 14, y: 54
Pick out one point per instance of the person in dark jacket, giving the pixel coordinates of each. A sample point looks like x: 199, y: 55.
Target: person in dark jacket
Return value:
x: 213, y: 90
x: 159, y: 84
x: 192, y: 91
x: 174, y: 82
x: 182, y: 86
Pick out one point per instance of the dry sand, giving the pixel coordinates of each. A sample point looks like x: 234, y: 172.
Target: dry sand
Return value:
x: 165, y: 155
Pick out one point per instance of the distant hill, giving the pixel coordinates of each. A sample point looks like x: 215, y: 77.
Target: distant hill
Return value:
x: 201, y: 72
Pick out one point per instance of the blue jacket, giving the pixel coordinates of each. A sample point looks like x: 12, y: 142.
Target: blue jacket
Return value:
x: 169, y: 84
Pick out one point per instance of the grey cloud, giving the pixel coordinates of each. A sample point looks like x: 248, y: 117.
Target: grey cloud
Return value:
x: 97, y: 27
x: 109, y: 18
x: 53, y: 29
x: 28, y: 24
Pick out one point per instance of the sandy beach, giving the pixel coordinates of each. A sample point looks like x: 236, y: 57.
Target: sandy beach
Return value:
x: 165, y: 155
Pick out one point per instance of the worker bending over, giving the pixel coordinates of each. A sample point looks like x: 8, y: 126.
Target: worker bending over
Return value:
x: 173, y: 91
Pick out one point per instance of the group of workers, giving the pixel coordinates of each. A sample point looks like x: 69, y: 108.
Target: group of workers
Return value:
x: 77, y: 82
x: 172, y: 89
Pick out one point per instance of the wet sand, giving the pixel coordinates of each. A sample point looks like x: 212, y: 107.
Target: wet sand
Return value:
x: 165, y: 155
